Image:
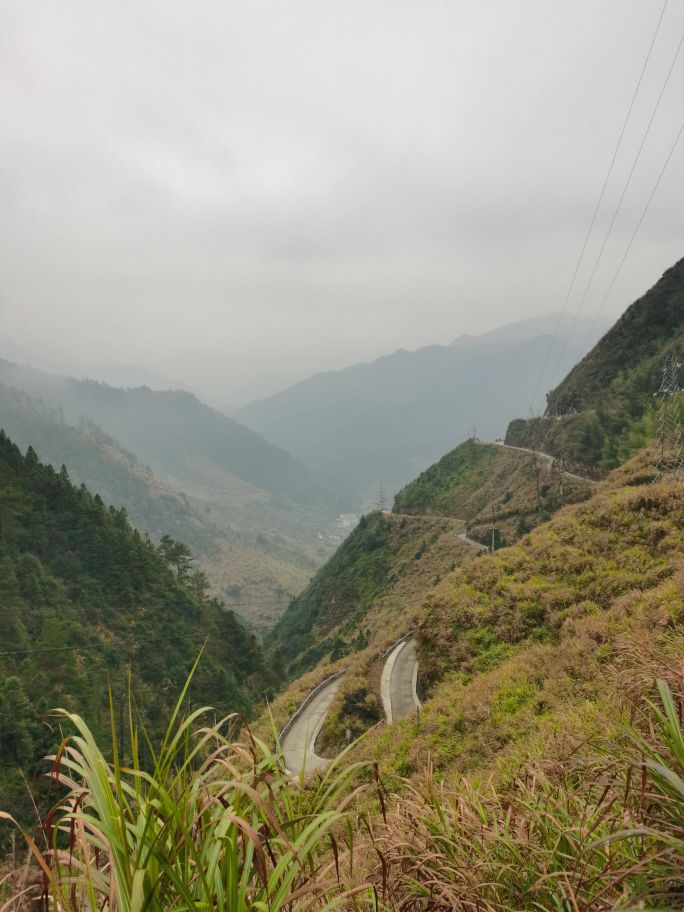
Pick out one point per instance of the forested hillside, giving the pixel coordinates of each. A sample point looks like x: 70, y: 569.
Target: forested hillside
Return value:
x: 603, y: 411
x: 85, y: 601
x: 259, y: 573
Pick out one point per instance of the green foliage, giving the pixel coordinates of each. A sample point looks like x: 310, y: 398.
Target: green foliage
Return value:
x: 459, y: 473
x: 605, y: 404
x: 85, y: 601
x: 210, y: 823
x: 351, y: 579
x: 177, y: 554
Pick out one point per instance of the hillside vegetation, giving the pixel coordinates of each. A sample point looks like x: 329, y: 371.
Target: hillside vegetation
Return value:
x: 487, y: 484
x: 526, y: 650
x: 85, y: 601
x: 386, y: 559
x: 603, y: 411
x: 173, y: 432
x: 260, y: 572
x: 228, y: 472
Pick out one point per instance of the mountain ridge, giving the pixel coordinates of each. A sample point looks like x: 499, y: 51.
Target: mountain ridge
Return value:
x: 382, y: 422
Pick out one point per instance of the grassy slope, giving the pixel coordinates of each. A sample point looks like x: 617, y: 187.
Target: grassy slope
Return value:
x: 522, y: 652
x: 474, y: 477
x: 418, y: 552
x: 372, y: 590
x: 519, y: 647
x: 606, y: 401
x: 261, y: 583
x: 385, y: 555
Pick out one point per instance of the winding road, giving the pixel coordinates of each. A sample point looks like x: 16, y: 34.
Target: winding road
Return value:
x: 398, y: 683
x: 398, y: 689
x: 298, y: 742
x: 545, y: 457
x: 471, y: 541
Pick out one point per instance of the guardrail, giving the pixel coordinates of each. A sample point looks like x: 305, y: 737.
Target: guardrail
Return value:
x: 406, y: 636
x: 305, y: 702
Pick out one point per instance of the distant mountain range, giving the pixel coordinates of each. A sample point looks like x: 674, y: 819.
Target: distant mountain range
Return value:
x: 173, y: 432
x: 258, y: 520
x: 382, y: 423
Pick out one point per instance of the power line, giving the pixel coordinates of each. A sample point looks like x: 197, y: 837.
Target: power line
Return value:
x: 598, y: 205
x: 638, y: 226
x: 99, y: 646
x: 668, y: 458
x: 92, y: 609
x: 644, y: 211
x: 617, y: 209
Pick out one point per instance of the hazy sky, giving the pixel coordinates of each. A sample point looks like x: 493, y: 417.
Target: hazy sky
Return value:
x: 239, y: 194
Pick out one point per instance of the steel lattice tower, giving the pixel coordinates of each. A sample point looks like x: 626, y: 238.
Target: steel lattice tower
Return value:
x: 669, y: 449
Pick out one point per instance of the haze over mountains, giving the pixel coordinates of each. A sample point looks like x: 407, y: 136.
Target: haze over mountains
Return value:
x: 258, y: 520
x: 381, y: 423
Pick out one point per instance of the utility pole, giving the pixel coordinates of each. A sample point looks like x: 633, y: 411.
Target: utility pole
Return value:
x: 536, y: 470
x: 559, y: 469
x: 382, y: 500
x: 491, y: 495
x: 669, y: 451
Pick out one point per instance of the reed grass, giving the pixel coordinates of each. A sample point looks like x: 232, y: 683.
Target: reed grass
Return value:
x: 209, y: 821
x: 599, y: 835
x: 206, y: 822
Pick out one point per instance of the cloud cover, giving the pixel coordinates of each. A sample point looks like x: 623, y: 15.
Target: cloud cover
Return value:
x: 238, y: 194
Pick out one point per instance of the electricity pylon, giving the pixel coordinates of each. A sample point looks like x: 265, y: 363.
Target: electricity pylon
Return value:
x: 669, y: 450
x: 382, y: 500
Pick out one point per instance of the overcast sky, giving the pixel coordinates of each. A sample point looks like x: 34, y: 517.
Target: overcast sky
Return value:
x: 238, y: 194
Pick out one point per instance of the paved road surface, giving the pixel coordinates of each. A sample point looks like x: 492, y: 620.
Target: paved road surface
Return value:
x: 545, y: 457
x: 398, y: 682
x: 471, y: 541
x: 298, y: 744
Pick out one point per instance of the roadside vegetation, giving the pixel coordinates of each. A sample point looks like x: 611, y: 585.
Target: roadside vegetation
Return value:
x: 207, y: 818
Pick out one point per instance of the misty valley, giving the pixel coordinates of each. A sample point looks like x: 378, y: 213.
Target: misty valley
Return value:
x: 341, y: 457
